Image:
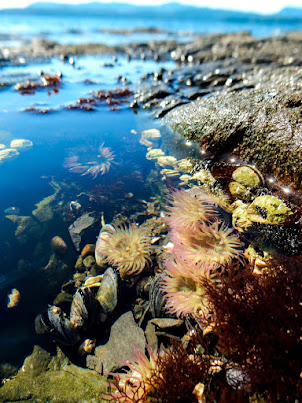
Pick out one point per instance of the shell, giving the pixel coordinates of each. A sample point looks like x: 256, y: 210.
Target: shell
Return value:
x: 156, y: 298
x: 86, y: 347
x: 13, y: 298
x: 237, y: 378
x: 93, y: 281
x: 105, y: 232
x: 248, y: 176
x: 240, y: 191
x: 83, y: 309
x: 58, y: 326
x: 107, y: 292
x: 58, y: 246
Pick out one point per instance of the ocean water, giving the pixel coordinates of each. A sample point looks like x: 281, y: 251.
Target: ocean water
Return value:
x: 68, y: 28
x: 38, y: 170
x: 27, y: 178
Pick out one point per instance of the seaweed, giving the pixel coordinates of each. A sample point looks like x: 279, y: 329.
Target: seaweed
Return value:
x: 258, y: 323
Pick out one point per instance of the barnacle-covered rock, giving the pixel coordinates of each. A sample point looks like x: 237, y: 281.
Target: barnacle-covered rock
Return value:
x: 269, y: 209
x: 240, y: 218
x: 265, y: 209
x: 257, y: 125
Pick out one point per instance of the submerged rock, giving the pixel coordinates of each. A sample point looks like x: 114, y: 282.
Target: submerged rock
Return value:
x: 77, y: 228
x: 43, y: 378
x: 58, y: 245
x: 27, y: 228
x: 125, y: 335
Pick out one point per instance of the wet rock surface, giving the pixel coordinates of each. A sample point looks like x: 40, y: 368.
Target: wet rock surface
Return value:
x: 247, y: 96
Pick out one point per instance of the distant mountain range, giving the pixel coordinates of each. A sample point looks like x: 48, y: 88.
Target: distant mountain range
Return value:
x: 174, y: 10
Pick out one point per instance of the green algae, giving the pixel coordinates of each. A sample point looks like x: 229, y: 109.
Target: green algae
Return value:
x: 44, y: 378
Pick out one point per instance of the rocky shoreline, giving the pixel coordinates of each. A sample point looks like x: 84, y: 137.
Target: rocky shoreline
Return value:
x: 232, y: 94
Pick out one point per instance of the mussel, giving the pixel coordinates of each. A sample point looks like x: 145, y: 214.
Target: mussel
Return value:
x: 107, y: 293
x: 54, y: 322
x: 84, y: 309
x: 156, y: 298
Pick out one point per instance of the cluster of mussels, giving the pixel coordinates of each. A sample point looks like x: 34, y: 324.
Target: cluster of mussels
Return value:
x: 207, y: 270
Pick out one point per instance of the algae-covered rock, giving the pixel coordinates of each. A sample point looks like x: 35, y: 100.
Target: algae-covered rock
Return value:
x: 43, y: 378
x: 255, y: 125
x: 43, y: 211
x: 27, y: 228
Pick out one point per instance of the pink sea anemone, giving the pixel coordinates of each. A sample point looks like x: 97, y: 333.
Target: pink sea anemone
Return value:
x: 135, y: 385
x: 182, y: 286
x: 189, y: 208
x: 87, y: 160
x: 213, y: 244
x: 127, y: 248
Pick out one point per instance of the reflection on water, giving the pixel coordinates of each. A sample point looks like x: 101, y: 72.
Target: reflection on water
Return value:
x: 41, y: 185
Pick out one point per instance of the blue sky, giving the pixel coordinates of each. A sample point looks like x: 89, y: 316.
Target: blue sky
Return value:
x: 260, y: 6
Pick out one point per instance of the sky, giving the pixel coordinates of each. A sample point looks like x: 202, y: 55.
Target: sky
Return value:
x: 261, y: 6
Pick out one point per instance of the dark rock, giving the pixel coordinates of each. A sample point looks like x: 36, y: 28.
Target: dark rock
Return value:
x: 124, y: 337
x: 77, y: 228
x: 156, y: 90
x: 256, y: 125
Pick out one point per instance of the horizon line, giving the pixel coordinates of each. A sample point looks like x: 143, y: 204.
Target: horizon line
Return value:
x: 151, y: 4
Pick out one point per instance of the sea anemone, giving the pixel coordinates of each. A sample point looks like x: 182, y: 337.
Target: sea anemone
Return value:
x: 134, y: 386
x: 171, y: 375
x: 213, y: 244
x: 127, y: 248
x: 90, y: 161
x: 190, y: 207
x: 183, y: 289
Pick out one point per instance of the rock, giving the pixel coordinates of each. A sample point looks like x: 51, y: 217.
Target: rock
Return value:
x: 88, y: 249
x: 125, y: 335
x: 153, y: 91
x: 77, y: 228
x: 58, y: 245
x: 254, y: 125
x: 43, y: 211
x: 88, y: 262
x: 27, y: 228
x: 43, y: 378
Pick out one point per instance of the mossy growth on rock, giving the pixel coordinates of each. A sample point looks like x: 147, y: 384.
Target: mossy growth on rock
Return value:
x: 44, y: 378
